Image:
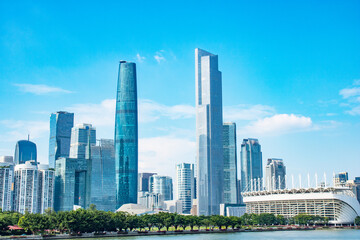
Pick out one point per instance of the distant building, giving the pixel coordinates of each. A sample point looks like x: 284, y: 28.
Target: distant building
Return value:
x: 275, y: 173
x: 355, y: 186
x: 185, y: 185
x: 230, y: 163
x: 209, y: 139
x: 162, y: 185
x: 6, y: 182
x: 143, y: 181
x: 61, y: 124
x: 151, y: 200
x: 126, y: 135
x: 82, y: 137
x: 341, y: 178
x: 46, y: 180
x: 251, y: 165
x: 238, y: 192
x: 102, y: 187
x: 174, y: 206
x: 236, y: 210
x: 25, y: 150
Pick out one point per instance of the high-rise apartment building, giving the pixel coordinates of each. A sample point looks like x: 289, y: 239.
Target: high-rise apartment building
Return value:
x: 126, y: 135
x: 209, y: 127
x: 25, y: 150
x: 143, y: 181
x: 230, y: 163
x: 103, y: 189
x: 82, y: 137
x: 162, y: 185
x: 46, y: 180
x: 251, y: 165
x: 61, y: 124
x: 6, y: 182
x: 275, y: 173
x: 26, y: 188
x: 185, y: 185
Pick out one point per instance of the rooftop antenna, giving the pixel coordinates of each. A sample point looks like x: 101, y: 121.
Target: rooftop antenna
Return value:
x: 292, y: 180
x: 325, y: 178
x: 300, y: 180
x: 28, y: 137
x: 316, y: 181
x: 308, y: 180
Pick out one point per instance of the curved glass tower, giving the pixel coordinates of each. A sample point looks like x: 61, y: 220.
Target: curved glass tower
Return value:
x: 25, y: 151
x: 126, y: 135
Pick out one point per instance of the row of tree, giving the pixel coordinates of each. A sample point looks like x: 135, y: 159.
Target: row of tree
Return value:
x: 92, y: 220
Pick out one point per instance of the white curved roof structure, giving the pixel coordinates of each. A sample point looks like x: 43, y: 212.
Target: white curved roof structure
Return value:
x: 338, y: 204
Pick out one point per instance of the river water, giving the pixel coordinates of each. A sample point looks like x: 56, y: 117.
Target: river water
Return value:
x: 333, y: 234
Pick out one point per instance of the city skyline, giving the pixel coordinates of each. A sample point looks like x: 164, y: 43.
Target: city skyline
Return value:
x: 266, y: 80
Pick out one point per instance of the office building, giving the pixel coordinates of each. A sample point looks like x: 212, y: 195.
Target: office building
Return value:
x: 25, y: 150
x: 103, y: 189
x: 151, y: 200
x: 126, y: 135
x: 26, y: 188
x: 275, y: 173
x: 251, y: 165
x: 174, y: 206
x: 143, y: 181
x: 6, y: 182
x: 230, y: 163
x: 209, y: 128
x: 83, y: 136
x: 46, y: 180
x: 61, y: 124
x: 185, y: 185
x: 340, y: 179
x: 162, y: 185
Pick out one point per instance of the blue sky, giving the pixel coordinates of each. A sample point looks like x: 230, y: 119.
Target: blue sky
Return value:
x: 291, y: 73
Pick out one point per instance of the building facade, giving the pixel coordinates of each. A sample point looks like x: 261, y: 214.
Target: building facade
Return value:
x: 103, y: 189
x: 6, y: 182
x: 46, y: 187
x: 185, y: 185
x: 83, y: 136
x: 143, y: 181
x: 209, y: 139
x: 162, y: 185
x: 340, y: 179
x: 61, y: 124
x: 275, y: 173
x: 25, y: 150
x: 230, y: 163
x: 251, y: 165
x: 126, y: 135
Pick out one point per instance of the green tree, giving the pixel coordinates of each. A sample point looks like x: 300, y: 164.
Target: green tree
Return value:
x: 34, y: 222
x: 205, y: 221
x: 280, y: 220
x: 357, y: 221
x: 132, y: 222
x: 120, y: 222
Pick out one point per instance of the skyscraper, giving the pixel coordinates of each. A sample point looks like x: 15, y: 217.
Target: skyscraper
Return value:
x: 251, y: 165
x: 103, y: 175
x: 143, y: 181
x: 126, y: 135
x: 6, y: 182
x: 230, y: 163
x: 185, y: 185
x: 81, y: 136
x: 162, y: 185
x: 209, y: 139
x: 340, y: 179
x: 46, y: 180
x: 60, y: 134
x: 275, y: 173
x: 25, y: 150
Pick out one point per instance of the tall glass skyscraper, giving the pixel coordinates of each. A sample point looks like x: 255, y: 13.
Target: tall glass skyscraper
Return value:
x: 251, y: 165
x: 275, y: 173
x: 209, y: 127
x: 143, y: 181
x: 230, y: 163
x: 162, y: 185
x: 81, y: 136
x: 25, y: 150
x: 60, y: 134
x: 126, y: 135
x: 185, y: 185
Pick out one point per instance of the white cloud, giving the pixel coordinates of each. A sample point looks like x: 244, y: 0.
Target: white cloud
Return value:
x: 161, y: 154
x: 159, y: 56
x: 354, y: 111
x: 350, y: 92
x: 17, y: 130
x: 140, y: 58
x: 352, y: 95
x: 357, y: 82
x: 247, y: 112
x: 40, y: 89
x: 279, y: 124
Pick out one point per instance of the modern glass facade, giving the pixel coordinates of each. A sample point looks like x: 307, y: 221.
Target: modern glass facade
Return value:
x: 185, y: 185
x: 143, y: 181
x: 81, y: 136
x: 275, y: 173
x: 126, y: 135
x: 103, y: 189
x: 162, y: 185
x: 25, y: 150
x: 230, y: 163
x: 251, y: 165
x: 6, y: 182
x: 209, y: 127
x: 60, y: 134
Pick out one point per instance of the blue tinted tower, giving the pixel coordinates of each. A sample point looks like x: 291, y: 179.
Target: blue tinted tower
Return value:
x: 126, y: 135
x: 60, y: 134
x: 209, y: 133
x: 25, y: 150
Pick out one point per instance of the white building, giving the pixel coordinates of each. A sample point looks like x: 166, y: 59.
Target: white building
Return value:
x: 185, y: 185
x: 338, y: 204
x: 151, y: 200
x: 6, y: 182
x: 46, y: 187
x: 174, y: 206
